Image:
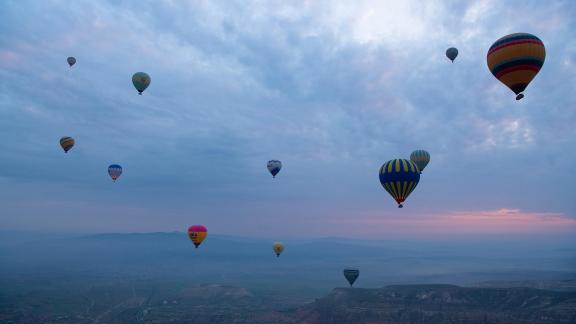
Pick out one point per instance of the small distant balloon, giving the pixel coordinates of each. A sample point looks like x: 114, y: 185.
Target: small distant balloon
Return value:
x: 399, y: 177
x: 71, y: 60
x: 351, y: 274
x: 452, y: 53
x: 278, y: 248
x: 141, y: 81
x: 515, y: 60
x: 421, y: 158
x: 274, y: 167
x: 114, y: 170
x: 197, y: 234
x: 67, y: 143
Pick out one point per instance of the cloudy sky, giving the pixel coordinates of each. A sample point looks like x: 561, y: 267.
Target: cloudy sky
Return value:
x: 333, y: 89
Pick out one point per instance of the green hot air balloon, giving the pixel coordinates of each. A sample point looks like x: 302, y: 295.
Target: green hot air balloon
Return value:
x: 351, y: 275
x: 420, y: 158
x: 451, y: 53
x: 141, y: 81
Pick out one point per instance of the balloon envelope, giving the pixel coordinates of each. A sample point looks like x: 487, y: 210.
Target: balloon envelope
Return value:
x: 197, y: 234
x: 399, y: 177
x: 71, y: 60
x: 114, y: 170
x: 67, y: 143
x: 274, y: 167
x: 420, y: 158
x: 278, y: 248
x: 351, y: 274
x: 515, y: 60
x: 451, y: 53
x: 141, y: 81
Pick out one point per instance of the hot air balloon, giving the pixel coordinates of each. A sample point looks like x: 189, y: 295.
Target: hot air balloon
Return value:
x: 114, y: 170
x: 141, y: 81
x: 451, y: 53
x: 71, y: 60
x: 351, y: 275
x: 274, y: 167
x: 278, y: 248
x: 197, y: 234
x: 420, y: 158
x: 399, y: 177
x: 67, y: 143
x: 515, y: 60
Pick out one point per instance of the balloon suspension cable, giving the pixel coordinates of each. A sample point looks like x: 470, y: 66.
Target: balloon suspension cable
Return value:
x: 519, y: 96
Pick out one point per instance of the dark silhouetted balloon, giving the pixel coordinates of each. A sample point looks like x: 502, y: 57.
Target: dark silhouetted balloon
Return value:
x: 71, y: 61
x: 351, y: 274
x: 452, y: 53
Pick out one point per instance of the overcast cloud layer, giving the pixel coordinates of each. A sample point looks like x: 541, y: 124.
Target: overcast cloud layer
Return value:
x: 332, y: 88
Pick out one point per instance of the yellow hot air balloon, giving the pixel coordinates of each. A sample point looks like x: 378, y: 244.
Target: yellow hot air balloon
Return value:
x: 515, y: 60
x: 278, y: 248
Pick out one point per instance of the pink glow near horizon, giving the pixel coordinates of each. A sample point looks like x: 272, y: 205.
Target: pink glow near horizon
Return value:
x: 500, y: 221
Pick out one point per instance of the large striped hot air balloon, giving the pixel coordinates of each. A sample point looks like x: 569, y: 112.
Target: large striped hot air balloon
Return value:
x: 115, y: 171
x: 515, y: 60
x: 67, y: 143
x: 197, y: 234
x: 399, y: 177
x: 420, y: 158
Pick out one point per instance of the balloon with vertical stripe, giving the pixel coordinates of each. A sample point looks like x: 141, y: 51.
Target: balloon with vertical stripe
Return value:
x: 399, y: 177
x: 67, y: 143
x: 515, y: 60
x: 197, y: 234
x: 420, y: 158
x: 114, y: 170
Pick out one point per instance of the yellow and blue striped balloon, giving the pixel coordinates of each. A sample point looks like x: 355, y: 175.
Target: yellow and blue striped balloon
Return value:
x: 399, y: 177
x: 420, y: 158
